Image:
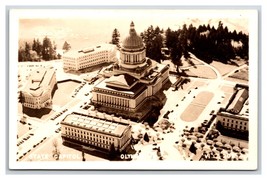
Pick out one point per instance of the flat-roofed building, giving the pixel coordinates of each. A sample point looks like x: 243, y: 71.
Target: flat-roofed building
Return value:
x: 37, y: 93
x: 235, y: 116
x: 88, y: 131
x: 89, y: 57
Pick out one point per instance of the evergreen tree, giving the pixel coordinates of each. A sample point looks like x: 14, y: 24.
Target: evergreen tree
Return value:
x: 27, y: 52
x: 34, y: 45
x: 146, y: 138
x: 47, y: 49
x: 193, y: 148
x: 183, y: 39
x: 115, y: 37
x: 38, y: 47
x: 66, y: 46
x: 174, y: 46
x: 21, y: 55
x: 154, y: 42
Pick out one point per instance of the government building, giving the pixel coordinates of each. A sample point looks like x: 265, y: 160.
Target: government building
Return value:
x: 235, y: 116
x: 39, y: 89
x: 130, y: 82
x: 85, y: 58
x: 90, y: 132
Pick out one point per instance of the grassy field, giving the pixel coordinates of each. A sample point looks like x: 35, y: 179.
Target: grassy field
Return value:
x: 191, y: 113
x: 196, y: 107
x: 241, y: 74
x: 202, y: 72
x: 63, y: 94
x: 223, y: 68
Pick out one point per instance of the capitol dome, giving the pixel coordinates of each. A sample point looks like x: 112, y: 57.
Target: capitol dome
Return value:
x: 133, y: 41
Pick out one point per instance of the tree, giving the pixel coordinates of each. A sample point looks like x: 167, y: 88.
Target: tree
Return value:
x: 193, y: 148
x: 59, y: 56
x: 174, y: 46
x: 38, y: 48
x: 146, y: 138
x: 21, y: 55
x: 154, y: 42
x: 115, y: 37
x: 47, y: 49
x: 55, y: 152
x: 27, y: 52
x: 66, y: 46
x: 83, y: 158
x: 183, y: 39
x: 34, y: 45
x: 112, y: 151
x: 176, y: 54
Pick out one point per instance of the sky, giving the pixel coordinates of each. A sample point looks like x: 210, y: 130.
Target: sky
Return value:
x: 84, y: 28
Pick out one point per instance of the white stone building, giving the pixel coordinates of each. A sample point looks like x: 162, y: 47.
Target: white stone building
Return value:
x: 236, y: 114
x: 90, y: 132
x: 37, y: 93
x: 133, y: 79
x: 88, y: 57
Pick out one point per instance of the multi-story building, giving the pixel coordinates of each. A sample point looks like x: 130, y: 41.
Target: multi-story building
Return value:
x: 132, y: 80
x: 90, y: 132
x: 37, y: 93
x: 85, y: 58
x: 236, y: 114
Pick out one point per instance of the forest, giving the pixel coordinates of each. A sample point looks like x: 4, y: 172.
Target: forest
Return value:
x: 207, y: 43
x: 40, y: 51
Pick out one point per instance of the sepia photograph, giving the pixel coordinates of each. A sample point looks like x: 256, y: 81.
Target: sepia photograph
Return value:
x: 133, y: 89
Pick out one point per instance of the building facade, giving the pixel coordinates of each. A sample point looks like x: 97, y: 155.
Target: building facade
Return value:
x: 85, y: 58
x: 133, y: 79
x: 38, y: 91
x: 236, y: 114
x: 88, y: 131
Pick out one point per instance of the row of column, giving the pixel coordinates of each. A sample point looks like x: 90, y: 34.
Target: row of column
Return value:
x: 132, y: 58
x: 112, y: 100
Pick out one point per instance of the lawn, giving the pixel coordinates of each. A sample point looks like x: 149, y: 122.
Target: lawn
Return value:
x: 223, y: 68
x: 64, y: 92
x: 22, y: 129
x: 203, y: 98
x: 201, y: 71
x: 196, y: 107
x: 191, y: 113
x: 190, y: 62
x: 241, y: 74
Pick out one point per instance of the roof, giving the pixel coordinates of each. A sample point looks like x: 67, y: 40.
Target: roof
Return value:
x: 88, y: 50
x: 133, y: 41
x: 237, y: 104
x: 94, y: 124
x: 39, y: 80
x: 123, y: 80
x: 136, y: 89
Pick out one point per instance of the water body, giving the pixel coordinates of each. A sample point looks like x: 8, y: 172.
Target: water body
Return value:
x: 86, y: 28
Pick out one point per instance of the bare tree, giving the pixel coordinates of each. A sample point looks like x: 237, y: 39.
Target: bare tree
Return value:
x: 56, y: 151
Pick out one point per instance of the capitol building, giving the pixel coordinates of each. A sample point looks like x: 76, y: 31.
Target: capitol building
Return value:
x: 132, y: 81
